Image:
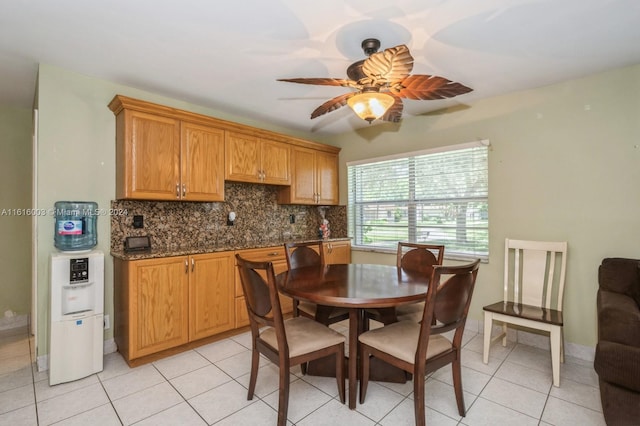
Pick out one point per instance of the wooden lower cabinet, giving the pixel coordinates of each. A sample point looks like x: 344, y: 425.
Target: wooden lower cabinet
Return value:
x: 271, y: 254
x: 211, y: 295
x: 337, y: 252
x: 167, y: 302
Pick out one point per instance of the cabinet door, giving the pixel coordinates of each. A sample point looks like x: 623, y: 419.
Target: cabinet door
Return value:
x: 337, y: 252
x: 202, y: 163
x: 275, y: 162
x: 159, y: 295
x: 327, y: 178
x: 211, y: 296
x: 303, y: 185
x: 148, y: 157
x: 242, y: 154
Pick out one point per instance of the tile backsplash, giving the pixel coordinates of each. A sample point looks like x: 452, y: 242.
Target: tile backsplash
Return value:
x: 260, y: 219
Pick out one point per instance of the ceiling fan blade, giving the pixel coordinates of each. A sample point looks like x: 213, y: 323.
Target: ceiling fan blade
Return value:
x: 321, y: 81
x: 389, y: 65
x: 332, y: 105
x: 428, y: 87
x: 394, y: 113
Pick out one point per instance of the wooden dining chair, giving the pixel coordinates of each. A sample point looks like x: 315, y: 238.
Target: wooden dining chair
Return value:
x: 287, y: 343
x: 420, y: 348
x: 412, y: 257
x: 420, y: 258
x: 301, y: 254
x: 534, y: 276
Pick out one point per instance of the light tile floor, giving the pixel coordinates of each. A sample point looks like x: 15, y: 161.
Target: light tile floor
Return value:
x: 208, y: 385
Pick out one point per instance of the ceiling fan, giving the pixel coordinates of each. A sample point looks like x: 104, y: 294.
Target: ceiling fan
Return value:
x: 381, y: 81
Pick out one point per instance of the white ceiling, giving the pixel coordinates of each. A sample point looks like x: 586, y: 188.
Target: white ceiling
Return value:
x: 228, y: 55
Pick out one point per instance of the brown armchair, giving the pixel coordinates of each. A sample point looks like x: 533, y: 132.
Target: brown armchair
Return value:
x: 617, y: 360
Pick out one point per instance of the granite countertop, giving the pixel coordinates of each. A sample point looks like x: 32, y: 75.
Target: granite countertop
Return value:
x: 185, y: 251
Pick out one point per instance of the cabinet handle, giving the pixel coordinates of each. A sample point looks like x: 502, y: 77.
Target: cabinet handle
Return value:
x: 193, y: 264
x: 330, y: 248
x: 275, y: 253
x: 177, y: 190
x: 186, y: 266
x: 184, y: 189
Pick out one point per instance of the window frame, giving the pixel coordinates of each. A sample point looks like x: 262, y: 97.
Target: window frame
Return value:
x: 479, y: 247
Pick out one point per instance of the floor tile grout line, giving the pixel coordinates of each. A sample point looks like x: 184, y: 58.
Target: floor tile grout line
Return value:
x: 504, y: 360
x: 33, y: 380
x: 110, y: 400
x: 181, y: 396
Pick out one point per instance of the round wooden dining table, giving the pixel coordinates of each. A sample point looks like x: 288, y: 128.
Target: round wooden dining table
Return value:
x: 356, y: 287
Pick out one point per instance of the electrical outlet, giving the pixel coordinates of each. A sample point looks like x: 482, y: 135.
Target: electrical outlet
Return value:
x: 107, y: 322
x: 138, y: 221
x: 292, y: 218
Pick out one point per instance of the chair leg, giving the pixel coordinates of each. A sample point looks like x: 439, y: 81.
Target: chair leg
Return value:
x: 303, y: 368
x: 283, y: 395
x: 364, y: 371
x: 340, y: 372
x: 488, y: 322
x: 457, y: 385
x: 562, y: 345
x: 418, y: 399
x: 504, y: 333
x: 555, y: 337
x: 255, y: 363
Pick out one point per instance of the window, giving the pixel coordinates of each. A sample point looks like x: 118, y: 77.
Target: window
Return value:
x: 437, y: 196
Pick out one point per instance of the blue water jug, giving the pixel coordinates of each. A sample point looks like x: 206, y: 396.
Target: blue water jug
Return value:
x: 75, y: 225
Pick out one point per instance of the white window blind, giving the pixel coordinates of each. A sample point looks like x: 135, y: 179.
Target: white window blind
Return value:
x: 435, y: 197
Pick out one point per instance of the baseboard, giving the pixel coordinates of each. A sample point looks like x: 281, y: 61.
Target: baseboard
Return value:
x: 14, y: 321
x: 43, y: 362
x: 540, y: 341
x: 109, y: 346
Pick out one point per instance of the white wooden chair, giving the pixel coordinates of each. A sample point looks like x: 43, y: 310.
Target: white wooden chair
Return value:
x: 534, y: 276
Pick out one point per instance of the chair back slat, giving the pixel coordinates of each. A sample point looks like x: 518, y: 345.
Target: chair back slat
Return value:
x: 302, y: 254
x: 534, y: 271
x: 531, y: 274
x: 447, y: 301
x: 261, y: 295
x: 419, y: 257
x: 452, y: 298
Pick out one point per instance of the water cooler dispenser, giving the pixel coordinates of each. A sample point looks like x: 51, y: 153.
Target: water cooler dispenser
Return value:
x: 77, y: 308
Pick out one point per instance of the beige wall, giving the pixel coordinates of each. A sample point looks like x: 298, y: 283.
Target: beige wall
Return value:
x: 76, y: 161
x: 564, y: 165
x: 15, y: 194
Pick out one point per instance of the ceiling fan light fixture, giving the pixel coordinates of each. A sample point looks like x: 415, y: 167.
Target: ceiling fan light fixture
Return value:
x: 370, y: 105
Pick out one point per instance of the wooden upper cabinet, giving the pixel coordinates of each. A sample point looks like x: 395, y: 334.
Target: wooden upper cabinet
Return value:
x: 275, y: 158
x: 147, y: 156
x: 202, y: 163
x: 314, y: 178
x: 159, y: 157
x: 250, y: 158
x: 163, y: 153
x: 327, y: 178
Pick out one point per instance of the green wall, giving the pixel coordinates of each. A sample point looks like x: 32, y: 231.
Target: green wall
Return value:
x: 76, y: 161
x: 15, y: 193
x: 564, y: 165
